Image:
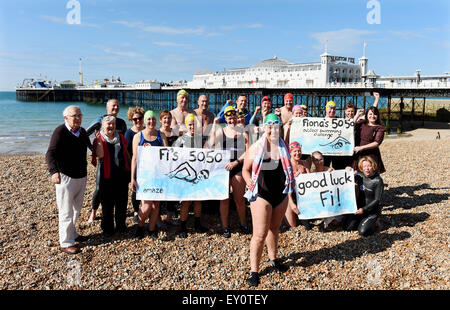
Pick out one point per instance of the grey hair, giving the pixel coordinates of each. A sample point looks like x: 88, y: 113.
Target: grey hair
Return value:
x: 70, y: 107
x: 108, y: 118
x: 316, y: 152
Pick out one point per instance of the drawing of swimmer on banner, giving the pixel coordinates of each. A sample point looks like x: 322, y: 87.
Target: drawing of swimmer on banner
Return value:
x: 173, y: 174
x: 330, y: 136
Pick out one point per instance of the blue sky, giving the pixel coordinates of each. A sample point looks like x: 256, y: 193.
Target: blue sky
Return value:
x: 169, y: 40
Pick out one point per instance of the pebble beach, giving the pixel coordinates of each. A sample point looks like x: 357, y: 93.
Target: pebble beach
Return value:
x: 410, y: 252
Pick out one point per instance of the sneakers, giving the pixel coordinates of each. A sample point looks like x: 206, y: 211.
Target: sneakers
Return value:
x: 253, y: 280
x: 278, y: 265
x: 245, y: 230
x: 201, y: 229
x: 183, y: 233
x: 139, y: 232
x: 153, y: 234
x: 226, y: 232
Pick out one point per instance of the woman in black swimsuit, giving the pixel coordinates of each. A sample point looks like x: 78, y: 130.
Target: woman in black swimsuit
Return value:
x: 269, y: 198
x: 165, y: 118
x: 235, y: 139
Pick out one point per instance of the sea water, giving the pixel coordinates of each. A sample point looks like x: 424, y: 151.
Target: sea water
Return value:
x: 26, y: 127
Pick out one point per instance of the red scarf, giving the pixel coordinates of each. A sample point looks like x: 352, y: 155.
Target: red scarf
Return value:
x: 107, y: 158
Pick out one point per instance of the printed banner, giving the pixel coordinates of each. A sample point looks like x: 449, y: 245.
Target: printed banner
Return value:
x: 330, y: 136
x: 325, y: 194
x: 173, y: 174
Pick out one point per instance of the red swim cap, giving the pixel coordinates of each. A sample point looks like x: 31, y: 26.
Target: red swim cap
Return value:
x: 288, y: 96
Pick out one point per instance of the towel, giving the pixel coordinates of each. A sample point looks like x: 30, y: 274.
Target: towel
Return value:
x: 252, y: 192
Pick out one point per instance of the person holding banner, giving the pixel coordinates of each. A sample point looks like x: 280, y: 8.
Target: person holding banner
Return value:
x: 136, y: 115
x: 165, y: 118
x: 369, y: 189
x: 299, y: 166
x: 235, y: 139
x: 190, y: 139
x: 369, y: 134
x: 297, y: 111
x: 269, y: 177
x: 146, y: 138
x: 114, y: 176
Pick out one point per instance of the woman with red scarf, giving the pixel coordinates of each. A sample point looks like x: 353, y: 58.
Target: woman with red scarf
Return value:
x: 114, y: 177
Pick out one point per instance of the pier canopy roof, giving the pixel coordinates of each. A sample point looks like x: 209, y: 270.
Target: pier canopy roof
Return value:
x: 272, y: 63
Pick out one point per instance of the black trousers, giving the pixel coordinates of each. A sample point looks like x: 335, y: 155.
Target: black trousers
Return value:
x: 365, y: 224
x: 114, y: 200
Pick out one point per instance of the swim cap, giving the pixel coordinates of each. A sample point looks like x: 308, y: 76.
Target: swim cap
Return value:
x: 304, y: 107
x: 265, y: 98
x: 271, y: 119
x: 182, y: 93
x: 294, y: 146
x: 288, y: 96
x: 296, y: 107
x: 241, y: 112
x: 189, y: 117
x: 229, y: 108
x: 149, y: 114
x: 330, y: 104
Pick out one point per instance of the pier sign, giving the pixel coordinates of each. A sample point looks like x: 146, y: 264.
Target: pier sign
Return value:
x: 174, y: 174
x: 325, y: 194
x: 330, y: 136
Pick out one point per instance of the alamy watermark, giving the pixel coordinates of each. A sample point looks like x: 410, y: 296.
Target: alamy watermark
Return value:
x: 374, y: 15
x: 74, y: 273
x: 374, y: 272
x: 74, y: 15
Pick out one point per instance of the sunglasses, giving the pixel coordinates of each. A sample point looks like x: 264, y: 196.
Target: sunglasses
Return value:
x: 229, y: 113
x: 137, y: 119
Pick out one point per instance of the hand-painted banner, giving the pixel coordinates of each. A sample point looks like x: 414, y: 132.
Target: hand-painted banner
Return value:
x: 325, y: 194
x: 330, y: 136
x: 173, y: 174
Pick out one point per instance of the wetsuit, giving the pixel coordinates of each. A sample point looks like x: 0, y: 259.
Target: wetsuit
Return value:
x: 271, y: 182
x: 237, y: 147
x: 369, y: 192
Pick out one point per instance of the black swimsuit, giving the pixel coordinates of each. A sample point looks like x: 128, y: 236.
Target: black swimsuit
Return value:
x: 271, y: 182
x: 233, y: 144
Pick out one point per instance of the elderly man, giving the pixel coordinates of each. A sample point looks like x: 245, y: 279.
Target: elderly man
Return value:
x: 112, y: 108
x: 66, y: 161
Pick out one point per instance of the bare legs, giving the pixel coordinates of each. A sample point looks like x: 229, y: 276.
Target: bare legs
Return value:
x: 266, y: 224
x: 238, y: 184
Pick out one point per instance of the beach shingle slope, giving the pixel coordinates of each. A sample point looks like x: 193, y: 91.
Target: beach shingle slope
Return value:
x: 410, y: 252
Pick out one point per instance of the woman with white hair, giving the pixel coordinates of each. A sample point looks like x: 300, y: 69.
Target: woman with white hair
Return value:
x: 114, y: 177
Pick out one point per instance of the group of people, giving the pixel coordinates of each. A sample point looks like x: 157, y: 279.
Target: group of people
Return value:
x: 262, y: 167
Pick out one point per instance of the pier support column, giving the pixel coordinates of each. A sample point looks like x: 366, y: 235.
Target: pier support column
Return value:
x: 423, y: 112
x: 388, y: 119
x: 412, y: 114
x: 400, y: 118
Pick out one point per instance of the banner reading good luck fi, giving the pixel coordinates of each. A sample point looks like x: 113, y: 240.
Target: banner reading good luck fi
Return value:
x: 325, y: 194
